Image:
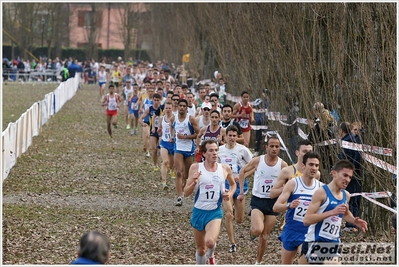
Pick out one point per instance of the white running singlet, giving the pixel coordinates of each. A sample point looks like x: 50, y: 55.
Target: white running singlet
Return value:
x: 265, y: 178
x: 209, y: 189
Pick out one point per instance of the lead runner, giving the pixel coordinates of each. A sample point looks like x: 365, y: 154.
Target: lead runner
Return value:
x: 207, y: 180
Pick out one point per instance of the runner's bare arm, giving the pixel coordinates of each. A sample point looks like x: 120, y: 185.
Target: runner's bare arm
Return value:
x: 280, y: 204
x: 229, y: 177
x: 193, y: 178
x: 282, y: 178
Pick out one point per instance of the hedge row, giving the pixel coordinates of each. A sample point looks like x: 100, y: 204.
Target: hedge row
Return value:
x: 110, y: 54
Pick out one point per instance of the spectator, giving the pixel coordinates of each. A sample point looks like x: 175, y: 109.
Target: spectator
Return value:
x: 21, y: 70
x: 222, y: 91
x: 322, y: 130
x: 64, y: 72
x: 94, y: 248
x: 355, y: 185
x: 74, y: 68
x: 292, y: 130
x: 6, y: 69
x: 260, y: 119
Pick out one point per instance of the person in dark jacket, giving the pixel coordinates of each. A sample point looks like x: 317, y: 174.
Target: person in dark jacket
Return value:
x: 74, y: 68
x: 355, y: 185
x: 94, y: 248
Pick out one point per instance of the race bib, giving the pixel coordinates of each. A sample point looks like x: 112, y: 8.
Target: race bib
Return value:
x: 233, y: 166
x: 300, y: 211
x: 156, y: 122
x: 209, y: 193
x: 134, y: 106
x: 112, y: 106
x: 244, y: 123
x: 265, y: 186
x: 330, y: 227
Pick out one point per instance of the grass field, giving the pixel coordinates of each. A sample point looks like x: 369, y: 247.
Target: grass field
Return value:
x: 18, y: 97
x: 75, y: 178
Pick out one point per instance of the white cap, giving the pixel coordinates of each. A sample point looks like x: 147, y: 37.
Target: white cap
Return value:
x: 206, y: 105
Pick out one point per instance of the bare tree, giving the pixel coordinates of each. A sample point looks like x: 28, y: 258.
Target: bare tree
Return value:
x: 343, y: 54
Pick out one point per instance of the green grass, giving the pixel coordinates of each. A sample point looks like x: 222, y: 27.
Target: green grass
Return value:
x: 19, y: 97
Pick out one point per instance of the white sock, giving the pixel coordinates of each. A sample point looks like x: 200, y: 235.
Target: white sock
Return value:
x: 210, y: 252
x: 200, y: 259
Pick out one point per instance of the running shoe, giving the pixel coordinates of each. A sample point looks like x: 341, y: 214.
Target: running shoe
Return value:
x: 156, y: 168
x: 212, y: 261
x: 115, y: 126
x: 233, y: 248
x: 172, y: 174
x: 179, y: 201
x: 164, y: 186
x: 132, y: 132
x: 128, y: 127
x: 135, y: 131
x: 147, y: 154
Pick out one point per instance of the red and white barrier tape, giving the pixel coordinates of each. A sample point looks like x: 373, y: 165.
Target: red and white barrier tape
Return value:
x: 367, y: 148
x: 380, y: 204
x: 370, y: 197
x: 379, y: 163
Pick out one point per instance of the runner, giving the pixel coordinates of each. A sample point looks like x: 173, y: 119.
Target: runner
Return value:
x: 267, y: 168
x: 227, y: 120
x: 184, y: 131
x: 298, y: 193
x: 191, y: 106
x: 134, y: 106
x: 146, y: 103
x: 329, y: 206
x: 244, y: 114
x: 166, y: 144
x: 212, y: 131
x: 116, y: 77
x: 112, y: 101
x: 153, y: 126
x: 207, y: 180
x: 102, y: 78
x: 236, y: 156
x: 292, y: 171
x: 127, y: 93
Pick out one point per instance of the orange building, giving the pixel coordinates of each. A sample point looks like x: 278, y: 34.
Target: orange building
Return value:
x: 109, y: 25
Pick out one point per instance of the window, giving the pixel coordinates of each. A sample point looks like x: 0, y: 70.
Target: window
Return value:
x: 85, y: 19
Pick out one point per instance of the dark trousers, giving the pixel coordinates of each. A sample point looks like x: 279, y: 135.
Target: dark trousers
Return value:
x: 355, y: 186
x: 260, y: 119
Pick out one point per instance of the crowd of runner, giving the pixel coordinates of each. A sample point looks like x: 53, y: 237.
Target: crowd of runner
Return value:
x: 203, y: 143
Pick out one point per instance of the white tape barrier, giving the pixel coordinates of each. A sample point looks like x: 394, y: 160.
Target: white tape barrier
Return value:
x: 380, y: 204
x: 373, y: 194
x: 370, y: 197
